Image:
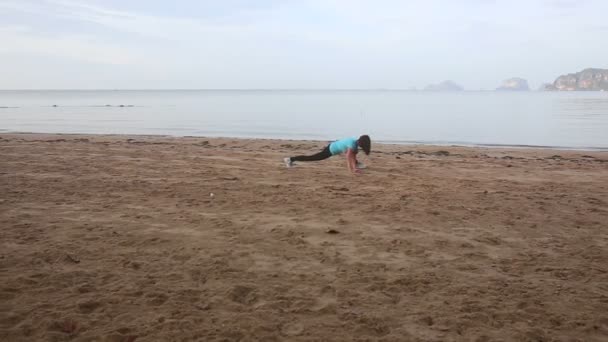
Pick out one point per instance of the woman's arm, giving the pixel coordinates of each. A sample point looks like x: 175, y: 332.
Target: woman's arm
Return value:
x: 351, y: 161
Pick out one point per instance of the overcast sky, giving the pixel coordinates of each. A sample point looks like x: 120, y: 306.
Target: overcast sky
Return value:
x: 149, y: 44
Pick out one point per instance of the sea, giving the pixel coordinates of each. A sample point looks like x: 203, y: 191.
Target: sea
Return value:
x: 572, y: 120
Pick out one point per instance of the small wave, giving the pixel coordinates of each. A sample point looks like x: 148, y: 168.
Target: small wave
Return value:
x: 116, y: 106
x: 97, y: 106
x: 491, y: 145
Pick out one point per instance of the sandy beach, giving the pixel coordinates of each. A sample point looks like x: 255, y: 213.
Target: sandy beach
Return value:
x: 151, y: 238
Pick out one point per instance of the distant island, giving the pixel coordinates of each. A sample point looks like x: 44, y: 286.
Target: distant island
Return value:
x: 514, y: 84
x: 588, y: 79
x: 444, y: 86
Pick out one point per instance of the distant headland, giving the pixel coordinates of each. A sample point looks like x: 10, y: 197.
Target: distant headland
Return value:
x: 444, y: 86
x: 586, y: 80
x: 590, y: 79
x: 514, y: 84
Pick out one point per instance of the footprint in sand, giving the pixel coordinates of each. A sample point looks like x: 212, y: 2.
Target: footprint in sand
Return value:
x: 66, y: 326
x: 372, y: 326
x: 292, y: 329
x: 324, y: 302
x: 490, y: 240
x: 12, y: 319
x: 245, y: 295
x: 157, y: 299
x: 89, y: 306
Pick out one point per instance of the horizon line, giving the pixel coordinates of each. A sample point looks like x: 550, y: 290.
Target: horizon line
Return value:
x: 254, y: 89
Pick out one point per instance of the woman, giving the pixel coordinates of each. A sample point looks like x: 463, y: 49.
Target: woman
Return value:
x: 350, y: 146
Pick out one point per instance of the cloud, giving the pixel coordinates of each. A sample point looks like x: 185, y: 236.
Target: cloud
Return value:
x: 294, y: 43
x: 234, y: 23
x: 566, y: 4
x: 22, y: 40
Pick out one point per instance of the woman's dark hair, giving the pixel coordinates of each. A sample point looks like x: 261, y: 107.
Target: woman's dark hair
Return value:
x: 365, y: 143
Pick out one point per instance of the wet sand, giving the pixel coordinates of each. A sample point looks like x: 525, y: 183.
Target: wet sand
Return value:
x: 117, y: 238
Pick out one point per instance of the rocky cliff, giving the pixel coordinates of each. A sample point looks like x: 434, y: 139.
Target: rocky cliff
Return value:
x: 444, y: 86
x: 514, y: 84
x: 588, y: 79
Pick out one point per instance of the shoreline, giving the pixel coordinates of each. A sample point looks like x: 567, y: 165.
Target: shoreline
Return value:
x: 421, y: 90
x: 382, y: 142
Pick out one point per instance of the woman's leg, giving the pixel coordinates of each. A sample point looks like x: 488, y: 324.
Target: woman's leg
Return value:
x: 319, y: 156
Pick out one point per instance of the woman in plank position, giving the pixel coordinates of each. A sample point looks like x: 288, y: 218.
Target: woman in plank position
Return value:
x: 350, y: 146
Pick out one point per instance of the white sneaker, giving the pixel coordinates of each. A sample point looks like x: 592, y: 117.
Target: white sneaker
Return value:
x: 360, y: 165
x: 288, y: 162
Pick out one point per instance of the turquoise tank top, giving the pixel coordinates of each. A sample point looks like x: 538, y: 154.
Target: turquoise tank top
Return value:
x: 341, y: 146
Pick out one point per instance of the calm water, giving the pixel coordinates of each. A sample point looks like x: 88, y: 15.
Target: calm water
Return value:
x: 576, y: 120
